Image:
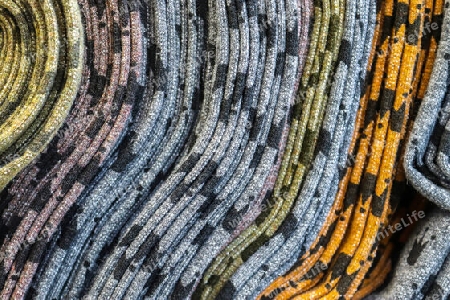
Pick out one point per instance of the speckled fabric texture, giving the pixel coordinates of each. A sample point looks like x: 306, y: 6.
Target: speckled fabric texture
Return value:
x: 236, y: 149
x: 427, y: 155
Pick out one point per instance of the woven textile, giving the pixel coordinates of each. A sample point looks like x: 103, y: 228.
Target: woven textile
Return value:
x: 242, y: 149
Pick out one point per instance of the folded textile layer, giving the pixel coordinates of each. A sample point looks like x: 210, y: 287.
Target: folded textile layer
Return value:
x: 204, y: 169
x: 426, y: 158
x: 43, y: 193
x: 304, y: 133
x: 368, y: 193
x: 394, y: 236
x: 422, y: 270
x: 160, y: 127
x: 261, y: 268
x: 223, y: 149
x: 195, y: 193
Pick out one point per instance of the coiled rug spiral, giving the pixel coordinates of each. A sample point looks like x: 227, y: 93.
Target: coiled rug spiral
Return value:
x: 237, y: 149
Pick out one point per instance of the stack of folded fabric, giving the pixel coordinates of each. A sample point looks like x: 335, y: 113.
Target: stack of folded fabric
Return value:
x: 426, y: 159
x: 423, y: 269
x: 288, y: 233
x: 44, y: 192
x: 369, y: 192
x: 224, y: 149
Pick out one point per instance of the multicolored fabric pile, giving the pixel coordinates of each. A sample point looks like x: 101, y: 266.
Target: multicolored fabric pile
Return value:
x: 270, y: 149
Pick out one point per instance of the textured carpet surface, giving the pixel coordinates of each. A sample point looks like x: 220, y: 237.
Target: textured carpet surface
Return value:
x: 236, y: 149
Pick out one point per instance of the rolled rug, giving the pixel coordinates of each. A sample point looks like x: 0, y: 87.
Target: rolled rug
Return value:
x: 44, y: 192
x: 42, y: 59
